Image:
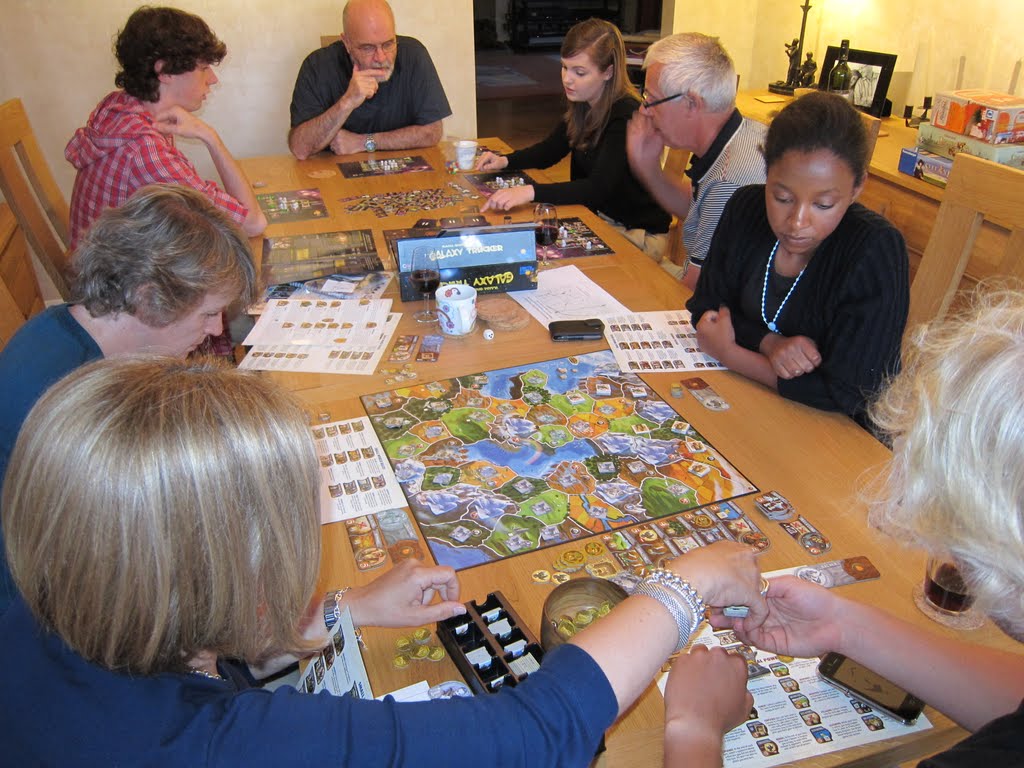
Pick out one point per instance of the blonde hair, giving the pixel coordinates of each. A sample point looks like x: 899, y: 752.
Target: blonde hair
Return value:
x: 602, y: 42
x: 155, y: 508
x: 956, y: 414
x: 695, y: 64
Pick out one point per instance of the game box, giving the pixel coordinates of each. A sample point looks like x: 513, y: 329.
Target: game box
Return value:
x: 925, y: 166
x: 948, y: 144
x: 490, y: 259
x: 991, y: 116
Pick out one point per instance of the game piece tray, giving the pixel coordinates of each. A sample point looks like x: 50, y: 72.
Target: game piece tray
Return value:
x: 491, y: 645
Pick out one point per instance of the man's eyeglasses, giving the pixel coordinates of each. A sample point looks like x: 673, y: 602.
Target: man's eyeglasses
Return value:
x: 645, y: 104
x: 368, y: 49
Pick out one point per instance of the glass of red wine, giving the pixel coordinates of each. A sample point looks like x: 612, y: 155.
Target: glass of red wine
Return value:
x: 545, y: 219
x: 425, y: 278
x: 944, y: 596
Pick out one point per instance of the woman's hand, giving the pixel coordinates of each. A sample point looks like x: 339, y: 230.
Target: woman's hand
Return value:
x: 403, y: 597
x: 490, y: 161
x: 725, y: 573
x: 790, y: 356
x: 705, y: 696
x: 715, y: 333
x: 509, y: 198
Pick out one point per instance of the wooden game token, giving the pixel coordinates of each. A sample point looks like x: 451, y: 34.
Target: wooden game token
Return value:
x: 436, y: 653
x: 404, y: 645
x: 421, y: 636
x: 502, y: 313
x: 541, y: 577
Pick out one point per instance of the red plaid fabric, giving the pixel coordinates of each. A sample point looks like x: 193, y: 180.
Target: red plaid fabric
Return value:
x: 117, y: 152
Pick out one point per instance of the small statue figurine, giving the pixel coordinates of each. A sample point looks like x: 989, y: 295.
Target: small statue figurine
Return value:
x: 807, y: 72
x: 793, y: 52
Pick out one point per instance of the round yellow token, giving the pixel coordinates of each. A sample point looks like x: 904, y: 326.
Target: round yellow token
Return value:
x: 421, y: 636
x: 403, y: 645
x: 559, y: 577
x: 574, y: 557
x: 400, y: 661
x: 421, y: 652
x: 541, y: 577
x: 594, y: 548
x: 436, y: 653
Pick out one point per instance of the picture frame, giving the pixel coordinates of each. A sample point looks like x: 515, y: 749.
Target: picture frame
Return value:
x: 876, y: 72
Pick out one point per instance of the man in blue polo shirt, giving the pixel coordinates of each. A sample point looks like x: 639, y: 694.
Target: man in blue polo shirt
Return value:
x: 370, y: 90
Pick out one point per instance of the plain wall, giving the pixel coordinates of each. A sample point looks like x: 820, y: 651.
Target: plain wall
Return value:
x: 56, y: 56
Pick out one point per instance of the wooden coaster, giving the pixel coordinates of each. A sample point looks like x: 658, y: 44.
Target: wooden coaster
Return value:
x: 502, y: 313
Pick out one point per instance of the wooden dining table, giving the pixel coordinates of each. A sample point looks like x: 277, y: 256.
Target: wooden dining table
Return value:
x: 819, y: 461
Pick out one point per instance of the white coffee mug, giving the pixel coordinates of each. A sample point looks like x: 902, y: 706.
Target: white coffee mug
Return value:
x: 456, y: 309
x: 465, y: 154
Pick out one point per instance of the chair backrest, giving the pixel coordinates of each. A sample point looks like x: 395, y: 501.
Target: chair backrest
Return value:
x: 872, y: 125
x: 977, y: 191
x: 20, y: 297
x: 29, y: 188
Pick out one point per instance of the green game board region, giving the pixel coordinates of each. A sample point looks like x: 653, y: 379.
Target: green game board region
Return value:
x: 509, y: 461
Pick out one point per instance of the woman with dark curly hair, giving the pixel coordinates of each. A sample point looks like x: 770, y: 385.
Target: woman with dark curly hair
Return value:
x: 167, y: 58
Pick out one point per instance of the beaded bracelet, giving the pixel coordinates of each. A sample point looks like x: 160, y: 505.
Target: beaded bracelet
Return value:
x: 679, y: 609
x: 673, y: 581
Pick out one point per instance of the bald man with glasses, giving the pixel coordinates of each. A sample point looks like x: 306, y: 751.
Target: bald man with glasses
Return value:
x: 690, y: 103
x: 371, y: 90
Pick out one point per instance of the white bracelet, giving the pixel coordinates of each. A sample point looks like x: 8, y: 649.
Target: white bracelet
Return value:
x: 680, y: 610
x: 680, y: 585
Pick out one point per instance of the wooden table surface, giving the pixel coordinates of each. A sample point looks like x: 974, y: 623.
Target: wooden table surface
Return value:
x: 817, y: 460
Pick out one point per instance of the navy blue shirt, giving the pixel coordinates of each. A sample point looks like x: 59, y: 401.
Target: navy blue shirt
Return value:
x: 45, y: 349
x: 412, y: 96
x: 61, y: 709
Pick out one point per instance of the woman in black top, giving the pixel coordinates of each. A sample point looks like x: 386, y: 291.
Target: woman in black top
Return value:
x: 601, y: 101
x: 805, y: 290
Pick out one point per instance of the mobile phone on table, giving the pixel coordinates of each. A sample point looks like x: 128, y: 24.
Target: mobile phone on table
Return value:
x: 870, y: 687
x: 576, y: 330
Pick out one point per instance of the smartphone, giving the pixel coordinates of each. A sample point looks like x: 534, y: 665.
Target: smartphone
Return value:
x: 870, y: 687
x: 576, y: 330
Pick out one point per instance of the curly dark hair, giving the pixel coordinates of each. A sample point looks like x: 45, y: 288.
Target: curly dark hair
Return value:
x: 181, y: 40
x: 820, y: 120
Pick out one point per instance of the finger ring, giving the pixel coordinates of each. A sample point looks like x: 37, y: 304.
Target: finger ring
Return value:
x: 764, y: 586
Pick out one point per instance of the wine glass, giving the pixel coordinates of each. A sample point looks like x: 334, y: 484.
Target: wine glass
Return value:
x: 425, y: 278
x: 545, y: 219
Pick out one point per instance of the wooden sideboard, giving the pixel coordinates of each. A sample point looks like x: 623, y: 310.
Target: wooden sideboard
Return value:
x: 909, y: 203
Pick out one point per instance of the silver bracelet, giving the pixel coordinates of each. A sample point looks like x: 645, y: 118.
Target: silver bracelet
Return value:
x: 332, y: 611
x: 686, y: 620
x: 675, y: 582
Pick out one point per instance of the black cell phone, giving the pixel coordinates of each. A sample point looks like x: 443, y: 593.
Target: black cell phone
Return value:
x: 870, y: 687
x: 576, y: 330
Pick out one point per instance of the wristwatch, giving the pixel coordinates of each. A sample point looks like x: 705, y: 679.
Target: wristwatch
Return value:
x: 370, y: 144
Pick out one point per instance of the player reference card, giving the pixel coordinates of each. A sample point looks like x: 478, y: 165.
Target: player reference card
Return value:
x: 338, y: 668
x: 656, y: 341
x: 355, y: 476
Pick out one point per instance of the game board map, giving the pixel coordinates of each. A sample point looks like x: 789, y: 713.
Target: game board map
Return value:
x: 386, y: 166
x: 402, y: 203
x: 575, y: 239
x: 656, y: 341
x: 296, y: 205
x: 505, y: 462
x: 796, y: 714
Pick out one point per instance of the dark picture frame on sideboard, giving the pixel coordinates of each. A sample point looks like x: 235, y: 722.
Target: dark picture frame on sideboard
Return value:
x: 875, y: 70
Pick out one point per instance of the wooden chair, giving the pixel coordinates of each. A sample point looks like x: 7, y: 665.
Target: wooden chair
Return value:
x: 29, y: 188
x: 674, y: 164
x: 20, y: 297
x: 977, y: 190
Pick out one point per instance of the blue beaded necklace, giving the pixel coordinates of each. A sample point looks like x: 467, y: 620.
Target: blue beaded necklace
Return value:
x: 764, y: 290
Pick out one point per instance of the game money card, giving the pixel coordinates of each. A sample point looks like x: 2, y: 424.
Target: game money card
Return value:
x: 807, y: 536
x: 705, y: 395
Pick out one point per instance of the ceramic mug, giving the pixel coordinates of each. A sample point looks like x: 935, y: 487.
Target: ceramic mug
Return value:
x: 465, y: 154
x: 456, y: 309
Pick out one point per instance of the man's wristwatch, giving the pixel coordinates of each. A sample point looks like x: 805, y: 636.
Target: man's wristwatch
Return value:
x: 370, y: 143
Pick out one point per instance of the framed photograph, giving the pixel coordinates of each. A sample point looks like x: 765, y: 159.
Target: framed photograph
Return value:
x: 875, y: 70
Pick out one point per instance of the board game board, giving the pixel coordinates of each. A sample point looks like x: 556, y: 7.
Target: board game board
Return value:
x: 297, y: 205
x: 387, y: 166
x: 491, y: 181
x: 303, y: 257
x: 401, y: 203
x: 575, y: 239
x: 505, y: 462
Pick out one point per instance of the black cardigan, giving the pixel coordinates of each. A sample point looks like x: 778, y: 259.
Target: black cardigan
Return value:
x: 852, y: 300
x: 600, y: 177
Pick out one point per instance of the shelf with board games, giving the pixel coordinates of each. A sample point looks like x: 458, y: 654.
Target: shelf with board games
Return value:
x: 543, y: 23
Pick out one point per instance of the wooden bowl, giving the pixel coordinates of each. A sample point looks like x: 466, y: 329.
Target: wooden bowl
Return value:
x: 571, y: 599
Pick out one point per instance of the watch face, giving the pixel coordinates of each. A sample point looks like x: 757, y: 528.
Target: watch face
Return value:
x: 370, y: 144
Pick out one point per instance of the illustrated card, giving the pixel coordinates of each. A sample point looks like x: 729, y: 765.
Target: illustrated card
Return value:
x: 296, y: 205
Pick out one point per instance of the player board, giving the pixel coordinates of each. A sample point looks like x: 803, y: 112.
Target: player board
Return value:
x: 385, y: 166
x: 490, y: 182
x: 302, y: 257
x: 402, y: 203
x: 575, y: 239
x: 506, y: 462
x: 296, y: 205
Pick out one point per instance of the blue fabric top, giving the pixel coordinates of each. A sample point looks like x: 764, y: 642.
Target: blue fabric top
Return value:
x: 66, y: 709
x: 46, y: 348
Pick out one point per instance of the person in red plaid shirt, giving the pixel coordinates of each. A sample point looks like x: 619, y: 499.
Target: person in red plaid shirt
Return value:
x: 167, y: 58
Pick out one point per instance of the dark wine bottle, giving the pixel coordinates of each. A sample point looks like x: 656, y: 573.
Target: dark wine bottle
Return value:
x: 840, y: 79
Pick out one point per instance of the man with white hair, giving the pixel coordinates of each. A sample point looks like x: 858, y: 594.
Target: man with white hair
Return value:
x: 370, y: 90
x: 690, y: 103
